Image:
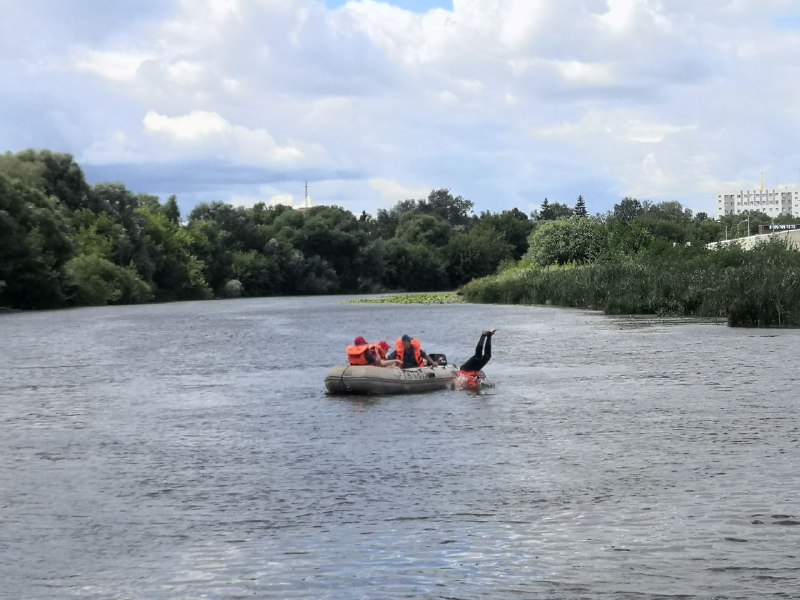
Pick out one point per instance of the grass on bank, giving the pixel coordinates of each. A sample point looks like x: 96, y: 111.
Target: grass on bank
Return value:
x: 425, y: 298
x: 749, y: 288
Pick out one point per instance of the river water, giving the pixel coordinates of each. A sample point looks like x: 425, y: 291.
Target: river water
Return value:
x: 189, y: 450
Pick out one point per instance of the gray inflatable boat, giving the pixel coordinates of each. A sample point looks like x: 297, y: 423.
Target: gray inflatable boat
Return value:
x: 384, y: 380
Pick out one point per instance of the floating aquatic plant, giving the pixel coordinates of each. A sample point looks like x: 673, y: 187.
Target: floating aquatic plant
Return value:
x: 424, y: 298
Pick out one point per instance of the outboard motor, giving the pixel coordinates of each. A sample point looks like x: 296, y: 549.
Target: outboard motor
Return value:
x: 439, y: 359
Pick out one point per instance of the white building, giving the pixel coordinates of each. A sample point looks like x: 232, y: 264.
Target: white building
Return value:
x: 782, y: 200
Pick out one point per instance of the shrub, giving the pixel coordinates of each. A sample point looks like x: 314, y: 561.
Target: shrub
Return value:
x: 573, y: 240
x: 233, y: 288
x: 96, y: 281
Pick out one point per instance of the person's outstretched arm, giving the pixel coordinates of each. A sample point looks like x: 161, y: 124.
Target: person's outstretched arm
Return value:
x: 388, y: 363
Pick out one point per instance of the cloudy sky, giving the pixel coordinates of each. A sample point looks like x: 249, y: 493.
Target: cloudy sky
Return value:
x: 504, y: 102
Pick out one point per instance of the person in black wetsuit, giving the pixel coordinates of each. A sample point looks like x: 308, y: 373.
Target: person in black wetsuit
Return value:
x: 469, y: 372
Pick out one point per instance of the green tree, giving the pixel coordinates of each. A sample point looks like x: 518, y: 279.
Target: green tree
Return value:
x: 668, y: 211
x: 118, y: 201
x: 626, y: 238
x: 171, y: 210
x: 98, y: 233
x: 580, y: 207
x: 667, y: 221
x: 475, y: 253
x: 705, y: 230
x: 455, y: 210
x: 288, y: 226
x: 239, y: 230
x: 258, y: 273
x: 373, y: 266
x: 628, y: 209
x: 334, y: 235
x: 384, y: 225
x: 414, y: 267
x: 551, y: 212
x: 427, y: 230
x: 97, y: 281
x: 175, y: 273
x: 665, y: 229
x: 35, y: 243
x: 28, y: 172
x: 316, y: 275
x: 572, y: 240
x: 62, y: 177
x: 756, y: 220
x: 513, y: 225
x: 545, y: 212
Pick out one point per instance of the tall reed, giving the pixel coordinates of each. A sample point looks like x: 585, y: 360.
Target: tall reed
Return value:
x: 753, y: 288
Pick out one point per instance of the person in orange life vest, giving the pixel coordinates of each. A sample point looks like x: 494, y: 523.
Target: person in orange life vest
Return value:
x: 470, y: 372
x: 409, y: 352
x: 362, y: 353
x: 381, y: 348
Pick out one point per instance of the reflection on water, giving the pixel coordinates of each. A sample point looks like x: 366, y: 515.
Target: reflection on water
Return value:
x: 189, y: 450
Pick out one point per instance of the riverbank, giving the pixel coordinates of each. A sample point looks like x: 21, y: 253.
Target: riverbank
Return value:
x: 753, y: 288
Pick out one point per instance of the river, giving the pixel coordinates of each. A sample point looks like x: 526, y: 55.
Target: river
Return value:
x: 189, y: 450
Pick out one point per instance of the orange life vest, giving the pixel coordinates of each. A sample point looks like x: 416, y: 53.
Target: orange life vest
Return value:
x: 379, y: 352
x: 416, y: 344
x: 357, y: 355
x: 469, y: 379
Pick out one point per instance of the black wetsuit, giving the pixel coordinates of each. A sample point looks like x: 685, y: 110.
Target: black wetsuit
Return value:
x: 483, y: 354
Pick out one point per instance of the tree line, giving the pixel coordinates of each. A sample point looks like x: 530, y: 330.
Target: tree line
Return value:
x: 64, y: 242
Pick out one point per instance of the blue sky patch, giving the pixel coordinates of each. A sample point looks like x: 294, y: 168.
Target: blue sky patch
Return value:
x: 787, y: 22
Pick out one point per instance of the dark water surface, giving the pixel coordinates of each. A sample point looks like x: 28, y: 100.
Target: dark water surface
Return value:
x: 189, y: 451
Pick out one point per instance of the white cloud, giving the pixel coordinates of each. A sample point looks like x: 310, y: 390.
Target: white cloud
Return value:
x: 208, y: 129
x: 113, y: 65
x: 393, y: 192
x: 585, y: 73
x: 186, y: 73
x: 652, y: 133
x: 193, y: 127
x: 502, y: 101
x: 234, y: 86
x: 267, y: 196
x: 115, y: 147
x: 620, y: 14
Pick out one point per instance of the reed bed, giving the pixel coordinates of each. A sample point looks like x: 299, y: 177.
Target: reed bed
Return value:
x: 753, y: 288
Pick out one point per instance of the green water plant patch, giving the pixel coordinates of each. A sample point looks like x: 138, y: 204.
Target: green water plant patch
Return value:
x: 424, y: 298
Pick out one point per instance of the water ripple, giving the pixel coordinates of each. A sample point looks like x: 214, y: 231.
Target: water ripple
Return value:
x: 189, y: 450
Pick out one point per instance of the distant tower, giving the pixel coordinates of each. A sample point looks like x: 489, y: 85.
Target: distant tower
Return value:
x: 306, y: 200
